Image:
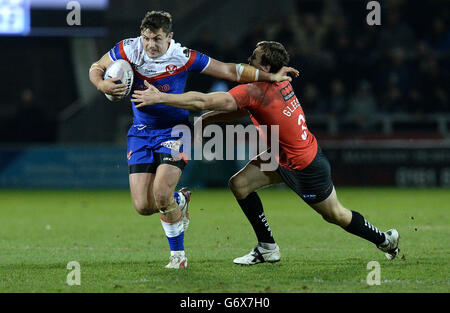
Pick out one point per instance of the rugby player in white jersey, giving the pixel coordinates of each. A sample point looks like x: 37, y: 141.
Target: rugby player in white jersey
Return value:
x: 153, y: 171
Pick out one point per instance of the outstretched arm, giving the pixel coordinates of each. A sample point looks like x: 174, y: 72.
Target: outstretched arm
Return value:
x: 192, y: 100
x: 245, y: 73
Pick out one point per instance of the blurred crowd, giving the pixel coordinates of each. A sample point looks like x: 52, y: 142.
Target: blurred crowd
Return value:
x: 348, y: 67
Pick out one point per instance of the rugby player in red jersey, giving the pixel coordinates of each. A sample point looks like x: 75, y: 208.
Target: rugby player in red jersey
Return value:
x: 302, y: 165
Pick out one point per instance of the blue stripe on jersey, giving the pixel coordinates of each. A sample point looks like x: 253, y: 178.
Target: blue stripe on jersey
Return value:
x: 116, y: 53
x: 200, y: 63
x: 111, y: 54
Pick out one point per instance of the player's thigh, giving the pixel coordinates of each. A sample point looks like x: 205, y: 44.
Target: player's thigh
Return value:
x: 166, y: 180
x: 251, y: 178
x: 141, y: 185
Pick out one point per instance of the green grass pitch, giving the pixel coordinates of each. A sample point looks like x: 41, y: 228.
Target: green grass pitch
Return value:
x: 120, y: 251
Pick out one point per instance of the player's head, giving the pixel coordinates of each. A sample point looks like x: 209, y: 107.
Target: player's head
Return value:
x: 269, y: 56
x: 156, y: 32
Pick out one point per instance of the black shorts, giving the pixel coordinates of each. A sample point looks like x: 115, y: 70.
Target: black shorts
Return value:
x: 160, y: 158
x: 313, y: 184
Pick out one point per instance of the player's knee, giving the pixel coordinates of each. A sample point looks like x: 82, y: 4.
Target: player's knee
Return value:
x: 143, y: 207
x: 239, y: 186
x: 163, y: 200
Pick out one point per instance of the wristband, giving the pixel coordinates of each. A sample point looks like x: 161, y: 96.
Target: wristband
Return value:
x: 246, y: 73
x: 95, y: 67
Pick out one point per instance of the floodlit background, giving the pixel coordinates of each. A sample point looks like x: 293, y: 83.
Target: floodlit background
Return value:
x: 376, y: 97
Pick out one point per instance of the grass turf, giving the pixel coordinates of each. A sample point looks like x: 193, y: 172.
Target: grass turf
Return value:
x: 120, y: 251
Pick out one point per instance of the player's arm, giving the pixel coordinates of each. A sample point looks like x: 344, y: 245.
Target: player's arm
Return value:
x: 192, y: 100
x: 107, y: 86
x: 245, y: 73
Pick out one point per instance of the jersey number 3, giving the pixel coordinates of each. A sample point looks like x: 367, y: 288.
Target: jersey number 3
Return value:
x: 302, y: 124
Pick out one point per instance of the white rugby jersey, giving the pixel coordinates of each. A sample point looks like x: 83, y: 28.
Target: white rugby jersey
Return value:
x: 168, y: 73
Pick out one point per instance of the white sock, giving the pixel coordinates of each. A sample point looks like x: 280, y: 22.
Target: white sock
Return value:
x: 172, y: 230
x: 182, y: 200
x: 177, y: 253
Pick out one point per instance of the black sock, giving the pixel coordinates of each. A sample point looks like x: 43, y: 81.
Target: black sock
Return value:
x: 359, y: 226
x: 253, y: 209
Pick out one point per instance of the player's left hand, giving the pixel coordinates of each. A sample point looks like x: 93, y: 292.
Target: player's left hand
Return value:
x: 282, y: 74
x: 145, y: 97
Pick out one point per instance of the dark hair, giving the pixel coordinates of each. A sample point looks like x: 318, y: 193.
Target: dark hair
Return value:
x: 155, y: 20
x: 274, y: 54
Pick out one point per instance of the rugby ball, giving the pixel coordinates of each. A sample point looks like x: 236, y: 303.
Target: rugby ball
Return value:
x: 121, y: 69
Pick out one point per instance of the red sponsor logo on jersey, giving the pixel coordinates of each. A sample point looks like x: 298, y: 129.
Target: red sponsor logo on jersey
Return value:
x: 287, y: 92
x: 171, y: 68
x: 129, y: 154
x: 163, y: 88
